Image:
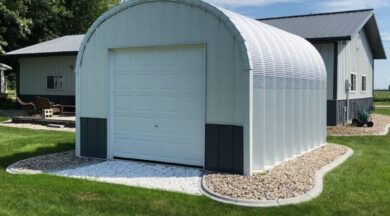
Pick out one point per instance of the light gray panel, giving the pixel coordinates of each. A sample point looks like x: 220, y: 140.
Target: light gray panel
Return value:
x: 327, y: 53
x: 34, y: 72
x: 355, y: 56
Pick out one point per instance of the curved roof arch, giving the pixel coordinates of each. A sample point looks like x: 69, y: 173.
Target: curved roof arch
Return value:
x: 265, y: 50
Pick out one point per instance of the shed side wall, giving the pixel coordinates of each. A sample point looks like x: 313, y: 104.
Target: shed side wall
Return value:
x: 289, y: 101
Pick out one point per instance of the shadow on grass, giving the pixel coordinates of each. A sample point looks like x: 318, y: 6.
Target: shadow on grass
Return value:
x: 59, y: 147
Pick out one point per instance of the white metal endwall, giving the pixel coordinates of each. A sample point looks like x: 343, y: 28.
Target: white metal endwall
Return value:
x: 138, y: 24
x: 271, y: 82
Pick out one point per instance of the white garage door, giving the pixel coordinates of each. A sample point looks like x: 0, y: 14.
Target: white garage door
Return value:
x: 159, y: 104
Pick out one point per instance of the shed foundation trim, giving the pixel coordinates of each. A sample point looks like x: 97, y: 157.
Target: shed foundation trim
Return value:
x: 93, y: 137
x: 224, y: 148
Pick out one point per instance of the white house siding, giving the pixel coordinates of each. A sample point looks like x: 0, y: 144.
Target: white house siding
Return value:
x: 355, y: 56
x: 34, y: 72
x: 327, y: 52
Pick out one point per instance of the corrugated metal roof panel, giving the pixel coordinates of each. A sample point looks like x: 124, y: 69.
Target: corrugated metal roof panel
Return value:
x: 335, y: 26
x: 277, y: 53
x: 327, y: 25
x: 70, y: 43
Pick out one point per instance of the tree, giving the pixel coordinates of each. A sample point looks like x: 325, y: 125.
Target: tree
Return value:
x: 27, y: 22
x: 85, y: 12
x: 14, y: 24
x: 49, y: 17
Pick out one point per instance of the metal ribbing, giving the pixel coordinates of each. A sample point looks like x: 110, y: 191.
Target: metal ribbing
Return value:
x: 289, y: 92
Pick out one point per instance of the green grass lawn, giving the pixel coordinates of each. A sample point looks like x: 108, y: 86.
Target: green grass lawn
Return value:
x: 383, y: 111
x: 3, y: 118
x: 361, y: 186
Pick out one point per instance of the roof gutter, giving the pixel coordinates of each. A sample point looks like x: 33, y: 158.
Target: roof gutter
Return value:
x: 24, y: 55
x: 329, y: 39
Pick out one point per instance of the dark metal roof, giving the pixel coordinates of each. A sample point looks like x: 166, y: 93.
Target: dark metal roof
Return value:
x: 60, y: 46
x: 337, y: 26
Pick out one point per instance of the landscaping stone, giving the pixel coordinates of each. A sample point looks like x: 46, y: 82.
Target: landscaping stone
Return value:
x: 139, y: 174
x: 380, y: 124
x: 287, y: 180
x: 55, y: 161
x: 55, y: 126
x: 130, y: 173
x: 35, y: 126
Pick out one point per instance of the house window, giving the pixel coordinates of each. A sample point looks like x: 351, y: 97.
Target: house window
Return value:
x: 353, y: 82
x: 54, y: 82
x: 364, y: 83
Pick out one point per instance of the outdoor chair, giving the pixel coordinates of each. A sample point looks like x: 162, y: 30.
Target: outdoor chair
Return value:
x: 44, y: 103
x: 30, y: 106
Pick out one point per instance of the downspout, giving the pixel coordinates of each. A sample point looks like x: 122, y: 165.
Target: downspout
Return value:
x: 348, y: 86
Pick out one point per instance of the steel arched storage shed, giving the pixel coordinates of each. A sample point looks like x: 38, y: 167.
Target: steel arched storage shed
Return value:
x: 186, y: 82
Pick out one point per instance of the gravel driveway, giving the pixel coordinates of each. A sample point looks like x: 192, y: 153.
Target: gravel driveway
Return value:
x: 35, y: 127
x: 147, y: 175
x: 154, y: 176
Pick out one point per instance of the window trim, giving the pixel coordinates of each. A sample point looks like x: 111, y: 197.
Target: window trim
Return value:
x: 353, y: 90
x: 54, y: 89
x: 365, y: 76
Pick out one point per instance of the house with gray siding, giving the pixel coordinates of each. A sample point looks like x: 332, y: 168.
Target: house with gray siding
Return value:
x: 349, y: 42
x: 47, y: 69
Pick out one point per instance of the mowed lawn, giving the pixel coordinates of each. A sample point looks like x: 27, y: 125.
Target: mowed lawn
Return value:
x: 361, y: 186
x: 383, y: 111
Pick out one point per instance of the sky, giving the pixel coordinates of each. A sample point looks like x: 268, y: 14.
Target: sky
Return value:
x: 275, y: 8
